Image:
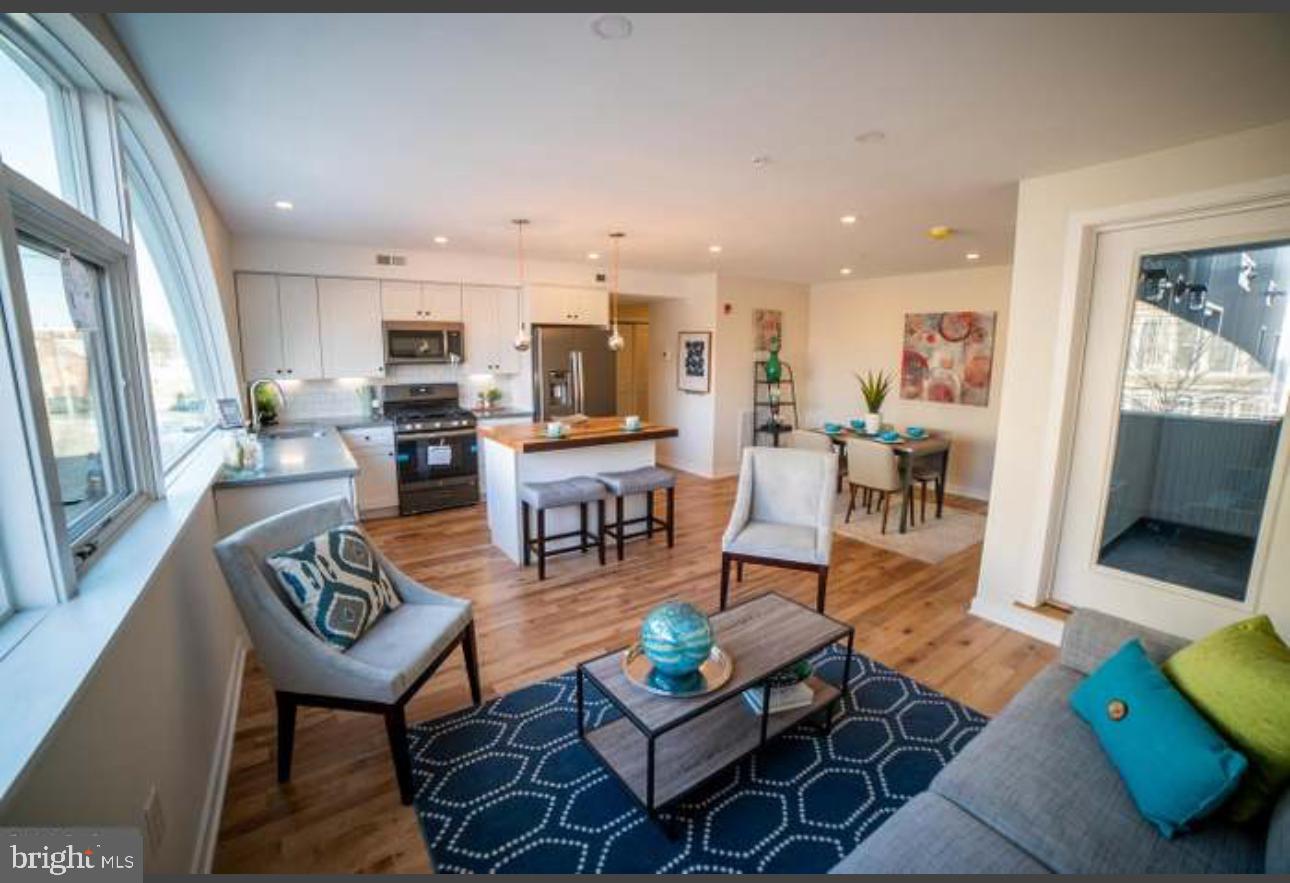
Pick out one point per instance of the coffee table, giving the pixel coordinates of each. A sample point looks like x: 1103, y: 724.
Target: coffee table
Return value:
x: 663, y: 747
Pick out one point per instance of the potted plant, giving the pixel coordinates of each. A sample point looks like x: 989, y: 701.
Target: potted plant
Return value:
x: 874, y: 387
x: 492, y: 395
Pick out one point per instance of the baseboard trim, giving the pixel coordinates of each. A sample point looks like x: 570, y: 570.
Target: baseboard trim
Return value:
x: 1044, y: 628
x: 213, y: 807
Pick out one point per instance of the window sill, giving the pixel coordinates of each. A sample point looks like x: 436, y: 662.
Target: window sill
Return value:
x: 49, y: 664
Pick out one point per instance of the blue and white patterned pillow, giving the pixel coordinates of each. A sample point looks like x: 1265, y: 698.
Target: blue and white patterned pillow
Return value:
x: 336, y: 583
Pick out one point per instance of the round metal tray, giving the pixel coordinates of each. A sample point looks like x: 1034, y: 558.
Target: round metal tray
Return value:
x: 714, y: 673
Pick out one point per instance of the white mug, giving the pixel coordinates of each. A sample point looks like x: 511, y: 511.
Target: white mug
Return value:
x: 632, y: 421
x: 555, y: 429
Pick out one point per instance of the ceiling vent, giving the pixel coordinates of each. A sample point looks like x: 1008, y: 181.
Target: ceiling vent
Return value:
x: 391, y: 260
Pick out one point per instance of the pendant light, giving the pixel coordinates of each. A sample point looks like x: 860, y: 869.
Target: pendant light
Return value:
x: 616, y: 341
x: 522, y: 340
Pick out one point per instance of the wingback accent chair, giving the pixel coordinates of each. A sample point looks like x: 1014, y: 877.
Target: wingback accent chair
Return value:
x: 783, y: 515
x: 379, y: 673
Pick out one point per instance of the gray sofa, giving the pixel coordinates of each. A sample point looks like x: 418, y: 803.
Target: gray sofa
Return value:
x: 1033, y: 793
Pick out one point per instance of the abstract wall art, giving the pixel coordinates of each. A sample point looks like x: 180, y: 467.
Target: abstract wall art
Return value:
x: 694, y: 361
x: 948, y: 357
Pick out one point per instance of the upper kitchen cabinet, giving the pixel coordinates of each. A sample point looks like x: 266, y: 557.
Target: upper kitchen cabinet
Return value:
x: 492, y: 316
x: 349, y: 320
x: 278, y: 327
x: 567, y: 305
x: 420, y: 301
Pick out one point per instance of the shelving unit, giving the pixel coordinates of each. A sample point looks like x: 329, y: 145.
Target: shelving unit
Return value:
x: 770, y: 401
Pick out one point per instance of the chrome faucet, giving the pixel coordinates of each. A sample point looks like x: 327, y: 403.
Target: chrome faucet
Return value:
x: 255, y: 408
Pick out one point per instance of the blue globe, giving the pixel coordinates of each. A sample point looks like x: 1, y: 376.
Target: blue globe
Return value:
x: 677, y: 638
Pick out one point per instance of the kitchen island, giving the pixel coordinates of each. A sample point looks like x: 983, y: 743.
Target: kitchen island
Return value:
x: 515, y: 454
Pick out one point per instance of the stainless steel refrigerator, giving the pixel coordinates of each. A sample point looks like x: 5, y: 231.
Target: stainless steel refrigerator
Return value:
x: 574, y: 372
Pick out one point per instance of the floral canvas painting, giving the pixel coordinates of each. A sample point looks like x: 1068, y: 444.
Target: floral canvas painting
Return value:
x: 948, y: 357
x: 768, y: 325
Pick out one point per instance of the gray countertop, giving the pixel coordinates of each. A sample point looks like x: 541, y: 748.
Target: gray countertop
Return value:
x: 341, y: 421
x: 306, y: 458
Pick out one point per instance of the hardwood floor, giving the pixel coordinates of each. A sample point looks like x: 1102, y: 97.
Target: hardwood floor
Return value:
x: 341, y: 811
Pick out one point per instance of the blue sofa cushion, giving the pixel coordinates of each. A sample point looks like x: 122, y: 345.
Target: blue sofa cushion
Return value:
x: 1176, y: 766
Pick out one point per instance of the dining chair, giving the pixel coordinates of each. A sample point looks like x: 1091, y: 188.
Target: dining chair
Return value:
x: 873, y: 468
x: 926, y: 475
x: 805, y: 439
x: 783, y: 515
x: 379, y: 673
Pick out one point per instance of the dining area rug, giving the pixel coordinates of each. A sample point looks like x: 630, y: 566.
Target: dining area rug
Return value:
x: 509, y: 787
x: 930, y: 542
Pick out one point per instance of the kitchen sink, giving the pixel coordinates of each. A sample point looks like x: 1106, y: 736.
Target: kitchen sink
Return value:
x: 294, y: 432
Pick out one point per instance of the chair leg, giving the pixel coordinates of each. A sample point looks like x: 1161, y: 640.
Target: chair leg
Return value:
x: 286, y: 733
x: 528, y: 539
x: 822, y: 587
x: 725, y: 579
x: 600, y: 531
x: 582, y: 527
x: 868, y: 501
x: 396, y: 727
x: 886, y: 508
x: 541, y: 543
x: 649, y: 515
x: 471, y: 652
x: 739, y: 571
x: 851, y: 507
x: 618, y: 531
x: 671, y: 517
x: 940, y: 495
x: 922, y: 514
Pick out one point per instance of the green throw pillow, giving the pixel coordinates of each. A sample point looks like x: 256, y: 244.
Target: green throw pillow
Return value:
x: 1239, y: 678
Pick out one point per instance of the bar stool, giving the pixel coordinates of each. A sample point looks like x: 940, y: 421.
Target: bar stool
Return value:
x: 644, y: 480
x: 544, y: 495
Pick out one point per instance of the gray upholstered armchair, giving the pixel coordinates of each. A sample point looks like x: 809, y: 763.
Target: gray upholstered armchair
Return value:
x: 783, y: 515
x: 379, y: 673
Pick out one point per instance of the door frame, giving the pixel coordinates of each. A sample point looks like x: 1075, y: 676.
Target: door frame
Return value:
x: 1083, y: 229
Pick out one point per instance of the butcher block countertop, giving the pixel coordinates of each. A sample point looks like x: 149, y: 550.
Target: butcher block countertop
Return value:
x: 530, y: 438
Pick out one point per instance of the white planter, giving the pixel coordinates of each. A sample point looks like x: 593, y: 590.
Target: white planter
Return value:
x: 873, y: 423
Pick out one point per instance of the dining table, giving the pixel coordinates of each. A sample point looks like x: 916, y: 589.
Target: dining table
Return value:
x: 908, y: 450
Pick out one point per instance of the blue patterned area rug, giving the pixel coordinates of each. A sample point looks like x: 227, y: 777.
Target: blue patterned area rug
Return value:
x: 509, y: 788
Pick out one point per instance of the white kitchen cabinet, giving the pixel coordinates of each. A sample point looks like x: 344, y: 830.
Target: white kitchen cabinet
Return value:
x: 278, y: 327
x: 420, y: 301
x: 349, y: 320
x: 377, y: 484
x: 492, y: 316
x: 567, y: 305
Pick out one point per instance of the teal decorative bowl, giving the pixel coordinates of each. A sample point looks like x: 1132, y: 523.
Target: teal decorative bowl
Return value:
x: 677, y: 638
x: 832, y: 427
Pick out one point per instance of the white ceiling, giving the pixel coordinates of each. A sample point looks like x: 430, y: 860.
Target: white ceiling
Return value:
x: 390, y: 129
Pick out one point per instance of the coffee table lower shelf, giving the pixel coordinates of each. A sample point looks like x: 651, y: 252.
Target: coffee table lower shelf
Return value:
x: 691, y: 753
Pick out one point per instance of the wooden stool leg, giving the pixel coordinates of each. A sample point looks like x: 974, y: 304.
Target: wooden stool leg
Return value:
x: 725, y: 579
x: 541, y: 543
x: 671, y: 517
x: 649, y: 515
x: 582, y: 527
x: 618, y: 530
x: 600, y: 530
x: 528, y: 540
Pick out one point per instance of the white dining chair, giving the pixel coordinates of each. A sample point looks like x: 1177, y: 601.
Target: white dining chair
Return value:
x: 873, y: 469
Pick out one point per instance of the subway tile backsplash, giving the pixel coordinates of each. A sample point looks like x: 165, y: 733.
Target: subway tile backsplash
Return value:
x: 308, y: 399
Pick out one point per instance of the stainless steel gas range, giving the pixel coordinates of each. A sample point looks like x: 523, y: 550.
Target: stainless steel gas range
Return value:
x: 436, y: 449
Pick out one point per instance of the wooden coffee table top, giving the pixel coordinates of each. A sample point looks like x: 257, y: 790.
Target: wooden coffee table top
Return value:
x: 761, y: 636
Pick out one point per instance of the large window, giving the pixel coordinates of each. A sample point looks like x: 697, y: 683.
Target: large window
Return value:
x: 33, y: 136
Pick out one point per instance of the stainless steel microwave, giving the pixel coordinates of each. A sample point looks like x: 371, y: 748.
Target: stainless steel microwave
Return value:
x: 423, y: 342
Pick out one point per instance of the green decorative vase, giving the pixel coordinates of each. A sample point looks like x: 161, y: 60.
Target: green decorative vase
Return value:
x: 774, y: 368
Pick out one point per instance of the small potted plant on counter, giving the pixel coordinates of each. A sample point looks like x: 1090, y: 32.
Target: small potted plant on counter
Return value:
x: 874, y: 387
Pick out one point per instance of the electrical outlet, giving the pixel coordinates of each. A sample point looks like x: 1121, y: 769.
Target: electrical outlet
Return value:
x: 154, y: 822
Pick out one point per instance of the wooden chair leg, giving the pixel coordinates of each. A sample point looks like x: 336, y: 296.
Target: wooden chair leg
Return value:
x: 886, y: 508
x: 940, y: 495
x: 528, y: 540
x: 582, y: 527
x: 649, y: 515
x: 739, y: 571
x: 396, y: 727
x: 821, y: 589
x: 922, y: 515
x: 471, y: 652
x: 618, y: 519
x: 851, y: 507
x: 541, y: 543
x: 600, y: 530
x: 725, y: 579
x: 671, y: 517
x: 286, y: 733
x: 868, y: 501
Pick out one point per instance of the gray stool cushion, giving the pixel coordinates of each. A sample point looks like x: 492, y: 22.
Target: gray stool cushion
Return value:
x: 567, y: 492
x: 638, y: 481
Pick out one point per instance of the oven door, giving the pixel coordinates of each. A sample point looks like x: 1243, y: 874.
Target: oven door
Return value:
x: 432, y: 456
x: 408, y: 343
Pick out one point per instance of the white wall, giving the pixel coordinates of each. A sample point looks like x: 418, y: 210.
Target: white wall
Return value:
x: 733, y: 366
x: 693, y: 307
x: 859, y: 325
x: 1022, y: 494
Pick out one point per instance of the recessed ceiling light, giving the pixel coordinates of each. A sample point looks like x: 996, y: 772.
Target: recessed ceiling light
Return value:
x: 848, y: 219
x: 845, y: 271
x: 283, y: 205
x: 714, y: 249
x: 973, y: 256
x: 593, y: 255
x: 871, y: 136
x: 612, y: 26
x: 441, y: 240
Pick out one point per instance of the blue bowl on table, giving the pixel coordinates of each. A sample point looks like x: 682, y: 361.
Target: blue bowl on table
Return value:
x: 915, y: 432
x: 889, y: 435
x: 832, y: 428
x: 857, y: 425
